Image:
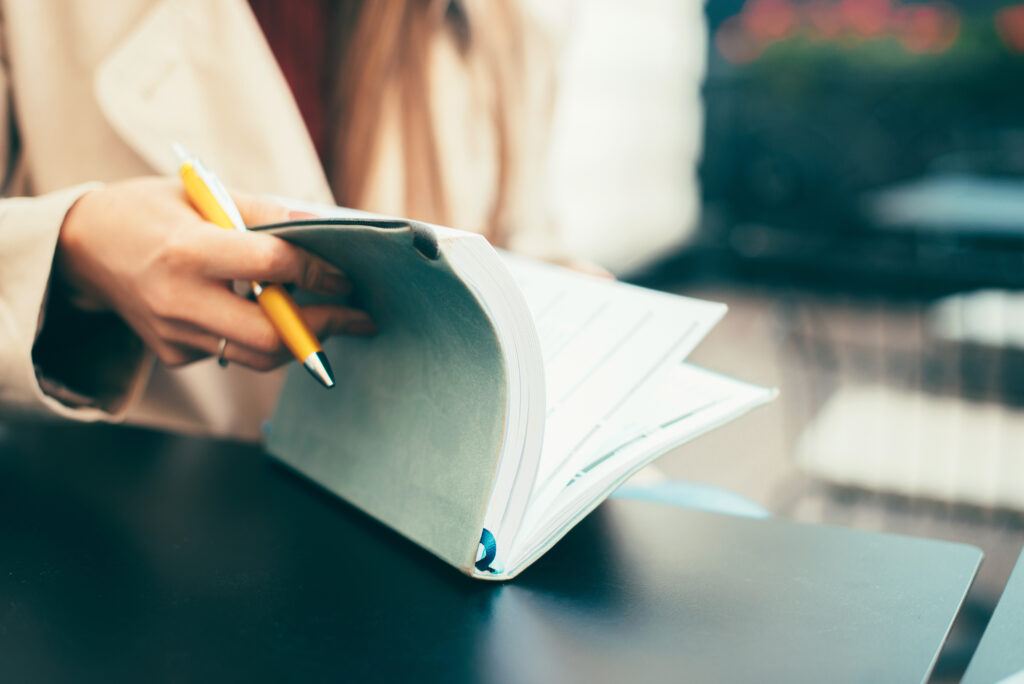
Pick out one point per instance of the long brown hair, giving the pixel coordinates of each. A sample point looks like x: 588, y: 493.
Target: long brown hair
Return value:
x: 385, y: 54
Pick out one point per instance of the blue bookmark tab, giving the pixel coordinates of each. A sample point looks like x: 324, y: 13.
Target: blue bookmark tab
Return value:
x: 486, y: 552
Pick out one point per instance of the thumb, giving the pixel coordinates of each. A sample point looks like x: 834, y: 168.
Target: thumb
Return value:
x: 259, y: 211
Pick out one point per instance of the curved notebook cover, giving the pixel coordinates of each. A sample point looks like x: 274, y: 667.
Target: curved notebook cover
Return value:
x: 413, y: 431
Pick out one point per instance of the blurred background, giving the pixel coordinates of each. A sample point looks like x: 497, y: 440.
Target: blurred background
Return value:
x: 848, y: 175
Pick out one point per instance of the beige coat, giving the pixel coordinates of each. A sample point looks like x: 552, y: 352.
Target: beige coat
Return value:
x: 97, y: 91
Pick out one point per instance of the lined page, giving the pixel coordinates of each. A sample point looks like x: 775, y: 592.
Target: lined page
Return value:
x: 678, y: 403
x: 602, y: 341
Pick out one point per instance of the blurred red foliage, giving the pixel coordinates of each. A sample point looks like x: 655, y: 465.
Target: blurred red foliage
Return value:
x: 1010, y: 25
x: 921, y: 28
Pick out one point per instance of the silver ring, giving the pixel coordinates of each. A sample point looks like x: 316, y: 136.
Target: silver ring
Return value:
x: 221, y: 348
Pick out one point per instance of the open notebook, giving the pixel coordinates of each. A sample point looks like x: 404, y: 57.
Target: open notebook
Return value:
x: 503, y: 398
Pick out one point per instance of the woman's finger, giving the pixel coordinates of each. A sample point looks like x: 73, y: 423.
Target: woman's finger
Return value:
x: 191, y: 341
x: 257, y: 211
x: 235, y: 353
x: 175, y: 355
x: 321, y: 276
x: 326, y: 320
x: 234, y: 255
x: 222, y: 313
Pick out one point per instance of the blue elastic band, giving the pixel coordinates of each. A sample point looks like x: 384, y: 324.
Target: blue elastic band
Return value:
x: 488, y: 550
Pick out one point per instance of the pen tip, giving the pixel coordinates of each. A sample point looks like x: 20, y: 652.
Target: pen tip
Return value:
x: 320, y: 368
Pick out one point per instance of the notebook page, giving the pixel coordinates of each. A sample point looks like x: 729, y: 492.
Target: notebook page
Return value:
x: 678, y: 403
x: 601, y: 341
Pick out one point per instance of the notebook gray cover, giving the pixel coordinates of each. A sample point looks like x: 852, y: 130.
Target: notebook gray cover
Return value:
x: 413, y: 430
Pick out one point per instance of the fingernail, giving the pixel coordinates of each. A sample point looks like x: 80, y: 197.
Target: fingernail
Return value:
x: 360, y: 326
x: 300, y: 215
x: 335, y: 283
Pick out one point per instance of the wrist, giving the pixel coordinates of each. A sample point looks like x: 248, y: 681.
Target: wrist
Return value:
x: 69, y: 280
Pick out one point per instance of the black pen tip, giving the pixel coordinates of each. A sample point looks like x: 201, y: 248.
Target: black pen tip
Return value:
x: 320, y: 368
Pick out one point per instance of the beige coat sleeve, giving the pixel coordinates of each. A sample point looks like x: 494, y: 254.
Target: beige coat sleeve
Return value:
x: 29, y: 343
x: 31, y: 376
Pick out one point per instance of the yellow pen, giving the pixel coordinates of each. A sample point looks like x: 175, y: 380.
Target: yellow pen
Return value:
x: 213, y: 202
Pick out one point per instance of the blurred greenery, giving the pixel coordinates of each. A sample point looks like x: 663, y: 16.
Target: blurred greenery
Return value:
x: 805, y: 60
x: 799, y: 138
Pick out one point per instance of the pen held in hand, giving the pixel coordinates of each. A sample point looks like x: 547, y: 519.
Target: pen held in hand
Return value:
x: 213, y: 202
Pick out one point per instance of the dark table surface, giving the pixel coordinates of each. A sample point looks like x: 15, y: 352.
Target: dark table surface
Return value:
x: 125, y: 553
x: 1000, y: 654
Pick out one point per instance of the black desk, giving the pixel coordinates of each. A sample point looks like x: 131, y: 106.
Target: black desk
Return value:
x: 125, y: 552
x: 1000, y: 654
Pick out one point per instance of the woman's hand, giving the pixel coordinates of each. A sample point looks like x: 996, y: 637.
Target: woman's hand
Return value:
x: 138, y: 248
x: 589, y: 268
